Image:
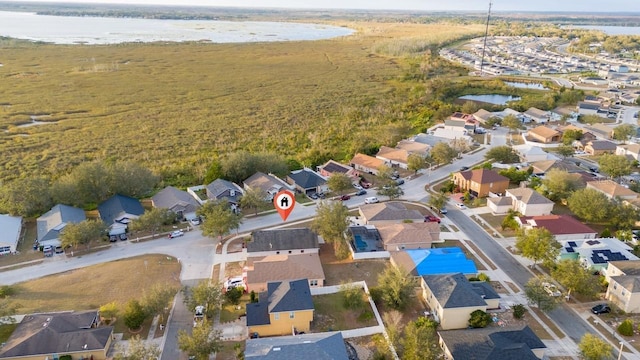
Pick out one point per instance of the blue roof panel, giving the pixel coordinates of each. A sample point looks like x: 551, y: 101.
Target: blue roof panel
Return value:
x: 441, y: 261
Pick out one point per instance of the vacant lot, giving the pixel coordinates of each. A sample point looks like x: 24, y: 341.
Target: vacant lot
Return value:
x: 331, y: 315
x: 338, y: 272
x: 93, y: 286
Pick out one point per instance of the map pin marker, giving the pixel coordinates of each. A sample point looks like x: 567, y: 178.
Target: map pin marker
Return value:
x: 284, y: 201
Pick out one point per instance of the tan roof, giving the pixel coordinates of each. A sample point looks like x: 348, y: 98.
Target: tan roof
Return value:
x: 544, y: 131
x: 536, y: 112
x: 482, y: 115
x: 628, y: 267
x: 529, y: 196
x: 611, y: 188
x: 602, y: 145
x: 285, y: 267
x: 409, y: 233
x: 632, y: 148
x: 398, y: 155
x: 389, y: 211
x: 413, y: 147
x: 483, y: 176
x: 542, y: 166
x: 367, y: 161
x: 601, y: 128
x: 572, y: 127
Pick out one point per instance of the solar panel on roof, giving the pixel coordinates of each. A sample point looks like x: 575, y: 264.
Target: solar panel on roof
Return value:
x: 570, y: 250
x: 572, y: 244
x: 597, y: 260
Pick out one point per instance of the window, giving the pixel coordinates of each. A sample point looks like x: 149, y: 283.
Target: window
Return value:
x: 313, y: 282
x: 292, y: 315
x: 276, y: 316
x: 302, y: 251
x: 289, y: 251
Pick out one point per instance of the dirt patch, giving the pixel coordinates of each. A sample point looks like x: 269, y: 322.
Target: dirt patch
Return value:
x: 497, y: 286
x: 236, y: 245
x: 398, y: 319
x: 337, y: 272
x: 233, y: 269
x: 331, y: 315
x: 513, y: 286
x: 364, y: 345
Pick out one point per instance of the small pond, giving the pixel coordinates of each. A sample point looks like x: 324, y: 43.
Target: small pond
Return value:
x: 495, y: 99
x: 523, y: 85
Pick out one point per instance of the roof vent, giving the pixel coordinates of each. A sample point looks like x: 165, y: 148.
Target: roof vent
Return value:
x: 85, y: 346
x: 276, y: 349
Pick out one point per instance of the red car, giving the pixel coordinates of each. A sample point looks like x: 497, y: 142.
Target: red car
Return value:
x: 345, y: 197
x: 431, y: 218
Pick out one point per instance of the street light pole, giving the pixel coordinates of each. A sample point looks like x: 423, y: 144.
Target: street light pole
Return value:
x: 620, y: 350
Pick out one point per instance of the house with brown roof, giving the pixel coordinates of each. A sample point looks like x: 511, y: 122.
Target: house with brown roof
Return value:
x: 268, y: 183
x: 563, y: 227
x: 537, y: 115
x: 612, y: 189
x: 366, y: 164
x: 599, y: 147
x: 333, y: 167
x: 624, y: 284
x: 413, y: 147
x: 544, y: 134
x: 261, y: 270
x: 543, y: 166
x: 76, y: 334
x: 600, y: 130
x: 417, y: 235
x: 630, y: 150
x: 529, y: 202
x: 393, y: 157
x: 480, y: 182
x: 482, y: 116
x: 388, y: 213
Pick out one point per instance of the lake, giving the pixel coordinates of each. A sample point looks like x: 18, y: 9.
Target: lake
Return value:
x: 610, y: 30
x: 102, y: 30
x: 491, y: 98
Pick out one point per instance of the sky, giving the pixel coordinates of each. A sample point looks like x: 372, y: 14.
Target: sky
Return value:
x: 438, y: 5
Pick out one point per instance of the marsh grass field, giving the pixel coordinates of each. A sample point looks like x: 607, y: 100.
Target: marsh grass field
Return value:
x: 175, y: 106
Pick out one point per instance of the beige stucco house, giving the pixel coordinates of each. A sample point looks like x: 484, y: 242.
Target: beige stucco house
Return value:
x: 262, y: 270
x: 417, y: 235
x: 624, y: 285
x: 529, y: 202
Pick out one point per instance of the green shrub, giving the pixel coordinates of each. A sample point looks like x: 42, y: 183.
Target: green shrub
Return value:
x: 518, y: 311
x: 233, y: 296
x: 134, y: 315
x: 484, y: 277
x: 376, y: 294
x: 6, y: 290
x: 65, y: 357
x: 253, y: 297
x: 365, y: 315
x: 479, y: 319
x: 606, y: 233
x: 626, y: 328
x: 352, y: 297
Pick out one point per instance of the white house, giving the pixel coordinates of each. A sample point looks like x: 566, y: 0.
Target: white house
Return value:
x: 10, y: 235
x: 529, y: 202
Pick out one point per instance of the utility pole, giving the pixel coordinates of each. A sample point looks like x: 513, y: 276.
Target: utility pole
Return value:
x: 484, y: 45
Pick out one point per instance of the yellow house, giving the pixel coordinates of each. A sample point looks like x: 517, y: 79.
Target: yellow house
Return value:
x: 41, y: 336
x: 452, y: 298
x: 286, y: 308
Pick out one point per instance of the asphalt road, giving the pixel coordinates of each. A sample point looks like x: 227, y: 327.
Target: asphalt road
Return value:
x: 572, y: 324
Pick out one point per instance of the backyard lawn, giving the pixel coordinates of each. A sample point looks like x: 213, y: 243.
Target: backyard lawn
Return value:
x: 331, y: 315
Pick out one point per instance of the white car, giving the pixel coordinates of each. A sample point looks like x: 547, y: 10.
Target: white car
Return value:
x: 371, y: 200
x: 176, y: 234
x: 194, y: 221
x: 234, y: 282
x: 461, y: 206
x: 551, y: 289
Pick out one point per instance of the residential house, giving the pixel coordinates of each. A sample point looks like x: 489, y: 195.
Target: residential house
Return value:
x: 415, y: 235
x: 542, y: 167
x: 366, y: 164
x: 499, y: 204
x: 600, y: 130
x: 595, y: 254
x: 436, y: 261
x: 262, y: 270
x: 544, y: 134
x: 529, y: 202
x: 118, y: 211
x: 466, y: 121
x: 537, y: 115
x: 482, y: 116
x: 480, y: 182
x: 492, y: 343
x: 509, y: 111
x: 612, y: 189
x: 307, y: 181
x: 529, y: 153
x: 333, y: 167
x: 588, y: 108
x: 365, y: 238
x: 599, y: 147
x: 49, y: 225
x: 285, y: 308
x: 393, y: 157
x: 563, y: 227
x: 388, y: 213
x: 282, y: 241
x: 10, y: 235
x: 560, y: 112
x: 268, y: 183
x: 624, y: 285
x: 452, y: 298
x: 224, y: 190
x: 178, y: 201
x: 631, y: 150
x: 326, y: 345
x: 413, y: 147
x: 53, y: 335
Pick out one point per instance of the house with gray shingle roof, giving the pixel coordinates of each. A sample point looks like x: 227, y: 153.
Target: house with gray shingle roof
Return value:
x: 268, y: 183
x: 452, y: 298
x: 286, y: 307
x: 623, y: 290
x: 10, y: 235
x: 492, y: 343
x: 179, y: 202
x: 220, y: 189
x: 307, y: 181
x: 388, y: 213
x: 529, y: 202
x: 282, y: 241
x: 118, y: 211
x: 320, y: 346
x: 53, y: 222
x: 67, y: 333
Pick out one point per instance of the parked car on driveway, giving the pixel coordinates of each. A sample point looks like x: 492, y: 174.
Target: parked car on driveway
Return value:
x: 601, y: 309
x: 431, y: 218
x: 461, y: 206
x: 194, y: 221
x: 176, y: 234
x: 400, y: 181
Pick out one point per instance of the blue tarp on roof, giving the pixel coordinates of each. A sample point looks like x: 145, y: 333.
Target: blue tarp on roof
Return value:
x: 441, y: 261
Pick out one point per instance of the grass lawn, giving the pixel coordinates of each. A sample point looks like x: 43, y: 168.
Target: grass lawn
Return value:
x: 228, y: 351
x: 5, y: 331
x: 496, y: 222
x: 89, y: 288
x: 331, y: 315
x: 231, y: 312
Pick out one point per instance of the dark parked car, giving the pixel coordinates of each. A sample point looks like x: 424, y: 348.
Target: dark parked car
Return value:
x: 345, y: 197
x: 123, y: 237
x: 361, y: 192
x: 601, y: 309
x: 464, y: 168
x: 593, y: 169
x: 400, y: 181
x: 113, y: 238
